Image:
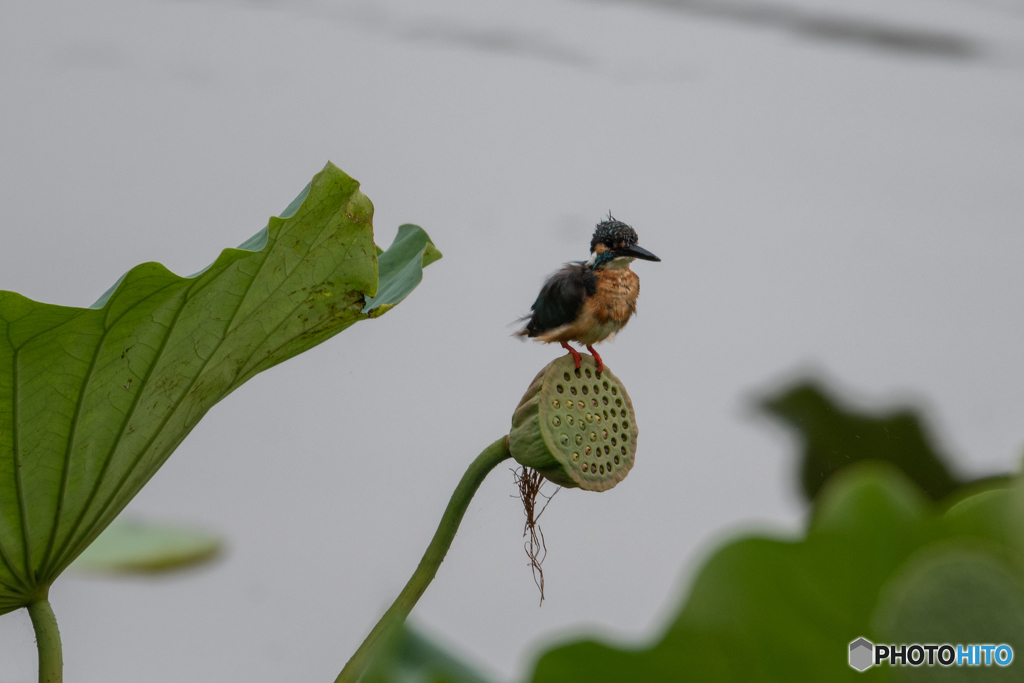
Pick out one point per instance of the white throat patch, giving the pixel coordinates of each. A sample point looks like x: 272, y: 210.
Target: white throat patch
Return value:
x: 619, y: 262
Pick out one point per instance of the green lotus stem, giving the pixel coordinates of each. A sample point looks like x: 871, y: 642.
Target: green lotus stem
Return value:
x: 51, y: 660
x: 490, y: 458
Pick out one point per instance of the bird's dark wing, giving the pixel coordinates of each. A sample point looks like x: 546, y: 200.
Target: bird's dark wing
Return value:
x: 561, y: 298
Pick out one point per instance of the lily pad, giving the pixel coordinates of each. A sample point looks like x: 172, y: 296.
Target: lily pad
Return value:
x: 133, y: 547
x: 94, y: 400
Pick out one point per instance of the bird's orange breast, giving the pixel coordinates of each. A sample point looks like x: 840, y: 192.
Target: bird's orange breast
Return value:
x: 615, y: 299
x: 604, y: 313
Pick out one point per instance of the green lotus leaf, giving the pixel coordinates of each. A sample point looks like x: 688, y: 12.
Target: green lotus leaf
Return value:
x: 875, y: 558
x: 133, y: 547
x: 835, y: 437
x: 409, y: 657
x: 954, y: 593
x: 94, y: 400
x: 401, y: 269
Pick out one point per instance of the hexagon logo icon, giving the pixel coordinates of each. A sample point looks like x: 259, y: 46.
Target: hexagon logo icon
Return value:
x: 861, y: 654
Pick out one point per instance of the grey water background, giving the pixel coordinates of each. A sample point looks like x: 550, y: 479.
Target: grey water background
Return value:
x: 835, y: 189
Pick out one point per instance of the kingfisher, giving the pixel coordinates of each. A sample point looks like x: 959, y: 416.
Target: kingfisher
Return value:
x: 590, y: 301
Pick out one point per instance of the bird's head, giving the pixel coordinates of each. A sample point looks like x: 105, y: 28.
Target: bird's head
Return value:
x: 615, y: 243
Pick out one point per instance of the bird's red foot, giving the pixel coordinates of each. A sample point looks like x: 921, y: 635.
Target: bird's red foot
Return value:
x: 600, y: 363
x: 574, y: 352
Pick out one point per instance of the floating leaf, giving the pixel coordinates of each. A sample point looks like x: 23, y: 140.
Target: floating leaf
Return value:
x: 94, y: 400
x: 128, y: 546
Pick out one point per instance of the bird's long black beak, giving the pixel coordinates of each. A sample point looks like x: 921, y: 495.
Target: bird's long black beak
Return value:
x: 637, y: 252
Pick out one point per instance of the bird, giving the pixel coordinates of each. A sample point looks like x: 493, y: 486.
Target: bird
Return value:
x: 590, y: 301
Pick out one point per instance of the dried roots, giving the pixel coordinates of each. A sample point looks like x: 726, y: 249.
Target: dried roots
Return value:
x: 530, y: 482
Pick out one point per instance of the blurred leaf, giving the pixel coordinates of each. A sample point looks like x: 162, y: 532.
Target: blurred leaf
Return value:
x: 140, y: 547
x: 411, y: 658
x: 94, y: 400
x: 834, y: 438
x: 769, y: 610
x: 988, y: 514
x: 954, y: 593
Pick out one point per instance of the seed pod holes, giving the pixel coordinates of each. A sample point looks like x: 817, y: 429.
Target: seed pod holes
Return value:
x: 538, y: 438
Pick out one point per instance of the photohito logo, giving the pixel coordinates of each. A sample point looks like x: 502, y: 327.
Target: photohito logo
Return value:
x: 865, y: 654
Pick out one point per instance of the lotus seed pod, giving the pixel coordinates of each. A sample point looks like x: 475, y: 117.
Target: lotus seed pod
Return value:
x: 575, y: 428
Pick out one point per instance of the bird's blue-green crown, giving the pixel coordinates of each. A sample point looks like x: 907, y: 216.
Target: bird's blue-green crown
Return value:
x: 613, y: 234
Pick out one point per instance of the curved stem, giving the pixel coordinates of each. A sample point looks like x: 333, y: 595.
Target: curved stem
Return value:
x: 51, y: 660
x: 491, y: 456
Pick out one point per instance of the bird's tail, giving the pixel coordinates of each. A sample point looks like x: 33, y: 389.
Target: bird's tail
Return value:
x: 525, y: 332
